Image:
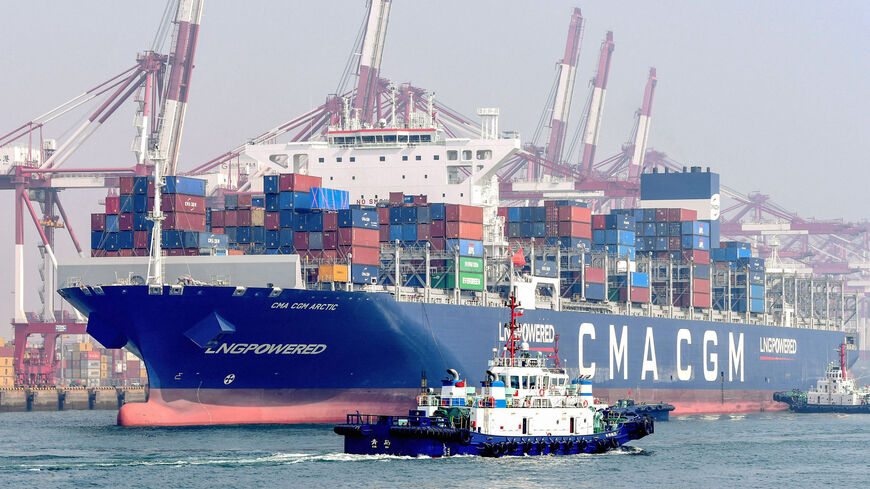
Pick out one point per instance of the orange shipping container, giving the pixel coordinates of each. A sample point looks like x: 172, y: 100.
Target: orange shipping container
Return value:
x: 464, y: 230
x: 575, y: 214
x: 332, y: 273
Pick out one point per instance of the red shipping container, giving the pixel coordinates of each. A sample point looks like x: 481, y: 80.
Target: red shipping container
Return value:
x: 184, y: 221
x: 439, y: 229
x: 97, y: 253
x: 140, y: 239
x: 638, y: 294
x: 329, y: 254
x: 125, y: 252
x: 175, y: 252
x: 125, y: 221
x: 551, y: 228
x: 437, y: 244
x: 126, y: 185
x: 112, y: 254
x: 599, y: 221
x: 231, y: 219
x: 300, y: 240
x: 594, y: 275
x: 423, y: 232
x: 540, y: 241
x: 113, y: 205
x: 702, y: 300
x: 245, y: 201
x: 383, y: 215
x: 661, y: 215
x: 361, y: 255
x: 575, y: 229
x: 243, y: 218
x: 552, y: 214
x: 464, y: 213
x: 674, y: 243
x: 575, y: 213
x: 701, y: 285
x: 191, y: 252
x: 363, y: 237
x: 272, y: 220
x: 140, y: 252
x: 463, y: 230
x: 330, y: 221
x: 396, y: 198
x: 502, y: 212
x: 217, y: 218
x: 700, y: 257
x: 98, y: 222
x: 192, y: 204
x: 677, y: 215
x: 293, y: 182
x: 217, y: 230
x: 330, y: 240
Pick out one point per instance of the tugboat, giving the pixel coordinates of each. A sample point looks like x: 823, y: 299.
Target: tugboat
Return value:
x: 659, y: 411
x: 833, y: 393
x: 524, y: 407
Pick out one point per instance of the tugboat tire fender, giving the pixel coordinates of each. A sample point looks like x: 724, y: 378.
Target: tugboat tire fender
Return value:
x: 614, y: 443
x: 582, y: 445
x: 464, y: 437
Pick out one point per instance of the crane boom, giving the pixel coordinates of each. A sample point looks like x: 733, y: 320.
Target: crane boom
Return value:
x: 370, y: 61
x: 565, y: 88
x: 187, y: 20
x: 596, y: 105
x: 643, y: 123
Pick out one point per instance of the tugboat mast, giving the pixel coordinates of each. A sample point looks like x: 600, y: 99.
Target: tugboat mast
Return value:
x: 511, y: 345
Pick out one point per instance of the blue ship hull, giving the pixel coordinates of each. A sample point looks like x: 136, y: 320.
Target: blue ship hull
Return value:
x: 217, y: 356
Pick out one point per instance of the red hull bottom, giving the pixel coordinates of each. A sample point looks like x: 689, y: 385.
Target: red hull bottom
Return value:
x: 187, y: 407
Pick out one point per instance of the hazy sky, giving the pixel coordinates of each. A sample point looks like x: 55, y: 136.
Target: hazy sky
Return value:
x: 773, y: 95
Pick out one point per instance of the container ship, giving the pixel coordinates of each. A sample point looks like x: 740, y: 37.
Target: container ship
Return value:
x: 273, y: 299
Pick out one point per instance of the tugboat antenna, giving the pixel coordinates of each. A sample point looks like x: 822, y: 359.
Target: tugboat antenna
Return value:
x: 511, y: 345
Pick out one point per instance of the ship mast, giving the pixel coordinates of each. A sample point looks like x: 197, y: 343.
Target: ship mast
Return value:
x: 843, y: 360
x: 512, y: 327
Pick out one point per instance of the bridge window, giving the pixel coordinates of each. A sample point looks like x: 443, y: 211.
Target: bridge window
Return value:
x: 533, y: 382
x: 320, y: 160
x: 404, y: 157
x: 418, y: 157
x: 426, y: 138
x: 466, y: 155
x: 390, y: 138
x: 414, y: 138
x: 352, y: 159
x: 484, y: 154
x: 403, y: 138
x: 515, y: 382
x: 338, y: 160
x: 368, y: 139
x: 435, y: 157
x: 525, y: 381
x: 383, y: 158
x: 452, y: 155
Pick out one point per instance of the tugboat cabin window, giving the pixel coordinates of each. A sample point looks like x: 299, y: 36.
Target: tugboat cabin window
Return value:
x: 532, y: 382
x: 515, y: 381
x: 525, y: 382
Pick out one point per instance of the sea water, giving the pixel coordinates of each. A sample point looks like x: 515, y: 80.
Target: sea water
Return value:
x: 86, y: 449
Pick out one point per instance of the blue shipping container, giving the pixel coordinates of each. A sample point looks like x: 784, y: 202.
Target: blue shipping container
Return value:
x: 125, y: 240
x: 184, y: 185
x: 172, y: 239
x: 212, y: 240
x: 126, y: 203
x: 190, y: 239
x: 315, y: 241
x: 514, y: 214
x: 618, y: 237
x: 258, y: 235
x: 575, y: 243
x: 698, y: 228
x: 111, y: 223
x: 754, y: 264
x: 273, y: 239
x: 287, y: 219
x: 313, y: 222
x: 545, y: 268
x: 232, y: 234
x: 140, y: 203
x: 409, y: 215
x: 395, y: 232
x: 466, y: 247
x: 294, y: 200
x: 639, y: 279
x: 286, y: 237
x: 272, y: 202
x: 599, y: 236
x: 270, y: 184
x: 409, y: 232
x: 695, y: 242
x: 595, y: 292
x: 623, y: 222
x: 438, y: 211
x: 358, y: 218
x: 140, y: 185
x: 364, y: 274
x: 97, y: 240
x: 756, y: 291
x: 110, y: 242
x: 243, y: 234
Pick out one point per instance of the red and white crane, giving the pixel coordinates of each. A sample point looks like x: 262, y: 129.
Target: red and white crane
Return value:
x: 177, y: 85
x: 641, y: 135
x: 596, y: 105
x: 370, y: 60
x: 566, y: 74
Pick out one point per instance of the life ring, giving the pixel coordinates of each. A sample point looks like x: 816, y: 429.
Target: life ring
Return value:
x: 585, y: 403
x: 541, y: 392
x: 490, y: 402
x: 418, y: 400
x: 528, y: 402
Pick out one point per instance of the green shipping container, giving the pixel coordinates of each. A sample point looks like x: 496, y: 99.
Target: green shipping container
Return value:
x: 447, y: 280
x: 468, y: 264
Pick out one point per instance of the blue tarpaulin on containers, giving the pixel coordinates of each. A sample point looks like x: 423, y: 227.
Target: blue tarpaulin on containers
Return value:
x: 329, y: 199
